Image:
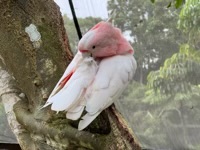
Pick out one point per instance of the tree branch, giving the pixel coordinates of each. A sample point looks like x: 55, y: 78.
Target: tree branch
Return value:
x: 9, y: 96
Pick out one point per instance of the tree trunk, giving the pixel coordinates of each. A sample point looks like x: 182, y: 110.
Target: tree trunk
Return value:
x: 30, y: 68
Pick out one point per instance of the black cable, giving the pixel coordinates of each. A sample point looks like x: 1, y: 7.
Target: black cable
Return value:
x: 78, y: 30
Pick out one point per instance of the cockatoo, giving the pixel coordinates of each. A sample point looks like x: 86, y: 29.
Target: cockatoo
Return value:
x: 96, y: 77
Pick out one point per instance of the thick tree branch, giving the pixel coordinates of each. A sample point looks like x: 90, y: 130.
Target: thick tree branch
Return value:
x: 62, y: 132
x: 10, y: 96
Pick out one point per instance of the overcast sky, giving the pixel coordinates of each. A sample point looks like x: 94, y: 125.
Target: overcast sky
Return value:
x: 85, y: 8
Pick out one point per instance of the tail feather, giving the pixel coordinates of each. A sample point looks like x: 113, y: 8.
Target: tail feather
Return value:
x: 75, y: 115
x: 86, y: 120
x: 45, y: 105
x: 48, y: 102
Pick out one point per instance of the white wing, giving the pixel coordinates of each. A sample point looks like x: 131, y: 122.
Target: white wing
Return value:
x: 68, y: 97
x: 112, y: 78
x: 76, y: 60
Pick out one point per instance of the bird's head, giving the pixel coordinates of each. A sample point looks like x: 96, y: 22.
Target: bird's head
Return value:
x: 104, y: 40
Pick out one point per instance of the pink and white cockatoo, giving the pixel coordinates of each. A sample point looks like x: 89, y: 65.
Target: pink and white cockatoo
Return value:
x: 96, y: 77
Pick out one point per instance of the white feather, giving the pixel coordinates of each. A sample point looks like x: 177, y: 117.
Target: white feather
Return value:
x: 75, y: 115
x: 112, y: 78
x: 86, y: 120
x: 75, y: 112
x: 69, y: 95
x: 76, y: 60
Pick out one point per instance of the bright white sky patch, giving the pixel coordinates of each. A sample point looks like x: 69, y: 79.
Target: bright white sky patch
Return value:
x: 85, y: 8
x: 128, y: 36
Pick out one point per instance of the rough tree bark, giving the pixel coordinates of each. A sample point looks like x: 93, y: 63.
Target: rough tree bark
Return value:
x: 28, y: 73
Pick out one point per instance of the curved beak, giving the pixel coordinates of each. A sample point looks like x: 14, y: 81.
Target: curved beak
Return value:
x: 84, y: 51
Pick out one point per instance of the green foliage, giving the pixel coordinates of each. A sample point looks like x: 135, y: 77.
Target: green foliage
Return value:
x: 177, y: 3
x: 153, y: 98
x: 178, y: 74
x: 189, y: 18
x: 71, y: 32
x: 189, y: 21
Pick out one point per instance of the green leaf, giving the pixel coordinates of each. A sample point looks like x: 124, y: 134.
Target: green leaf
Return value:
x: 178, y: 3
x: 153, y: 1
x: 169, y: 5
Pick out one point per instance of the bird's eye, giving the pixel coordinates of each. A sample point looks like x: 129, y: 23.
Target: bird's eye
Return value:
x: 93, y: 47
